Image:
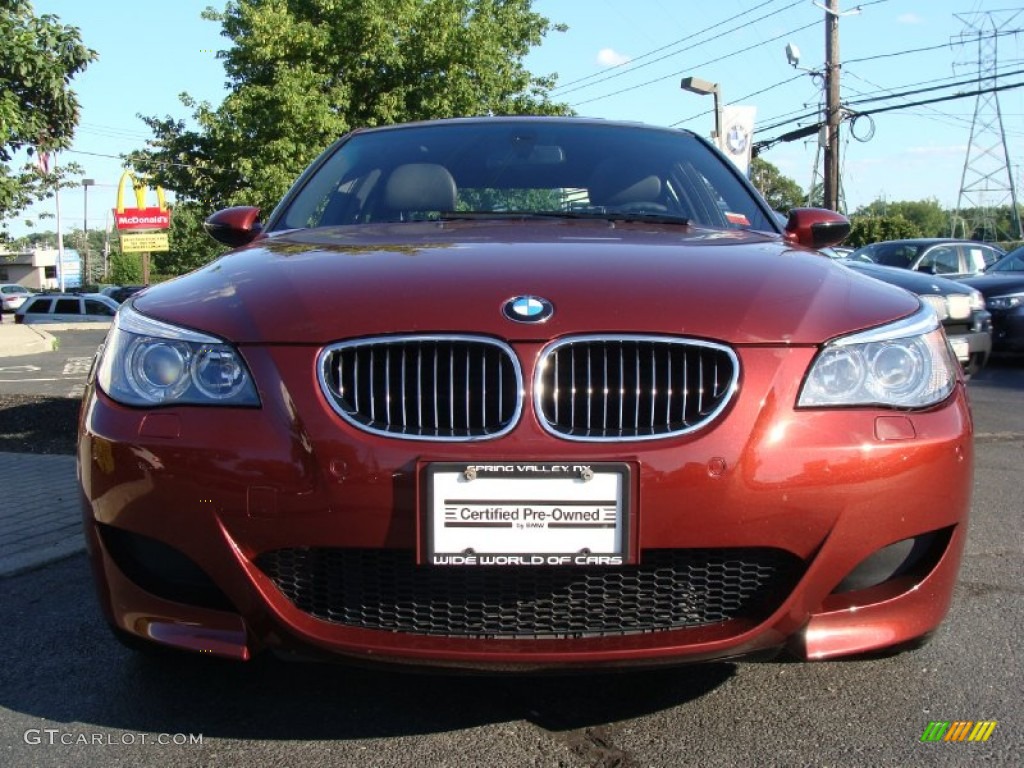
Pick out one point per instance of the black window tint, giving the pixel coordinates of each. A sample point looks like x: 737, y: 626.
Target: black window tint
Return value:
x: 539, y: 167
x: 941, y: 260
x: 93, y: 307
x: 894, y: 255
x: 39, y: 307
x: 68, y: 307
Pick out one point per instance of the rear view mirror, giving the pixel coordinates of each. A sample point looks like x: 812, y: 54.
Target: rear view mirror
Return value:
x: 234, y: 226
x: 816, y: 227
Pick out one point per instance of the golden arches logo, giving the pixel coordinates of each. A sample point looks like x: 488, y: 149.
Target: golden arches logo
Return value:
x: 140, y: 217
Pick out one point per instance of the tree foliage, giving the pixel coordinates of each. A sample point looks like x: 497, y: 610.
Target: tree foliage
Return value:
x: 303, y: 72
x: 928, y: 216
x: 873, y: 229
x: 125, y: 269
x: 190, y: 247
x: 38, y: 110
x: 781, y: 192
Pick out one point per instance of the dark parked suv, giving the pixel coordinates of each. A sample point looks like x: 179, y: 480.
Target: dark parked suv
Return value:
x: 121, y: 293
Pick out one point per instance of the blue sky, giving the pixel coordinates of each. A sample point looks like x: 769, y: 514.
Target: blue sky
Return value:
x: 151, y: 53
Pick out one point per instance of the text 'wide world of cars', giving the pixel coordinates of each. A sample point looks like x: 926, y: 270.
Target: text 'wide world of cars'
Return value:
x: 549, y: 393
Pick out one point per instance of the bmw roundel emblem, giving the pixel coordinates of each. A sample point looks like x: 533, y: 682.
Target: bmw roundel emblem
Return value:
x: 528, y: 309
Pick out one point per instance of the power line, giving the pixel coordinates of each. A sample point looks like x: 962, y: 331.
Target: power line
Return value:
x: 695, y: 66
x: 740, y: 98
x: 795, y: 115
x: 811, y: 129
x: 604, y: 75
x: 164, y: 163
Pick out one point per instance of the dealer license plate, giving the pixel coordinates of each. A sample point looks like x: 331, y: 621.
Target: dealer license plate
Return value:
x: 527, y: 513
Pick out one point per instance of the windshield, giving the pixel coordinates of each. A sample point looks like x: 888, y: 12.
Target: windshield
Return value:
x: 900, y: 255
x: 1012, y: 262
x: 512, y: 168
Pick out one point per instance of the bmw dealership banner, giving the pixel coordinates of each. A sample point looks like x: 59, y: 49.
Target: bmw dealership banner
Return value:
x: 737, y: 134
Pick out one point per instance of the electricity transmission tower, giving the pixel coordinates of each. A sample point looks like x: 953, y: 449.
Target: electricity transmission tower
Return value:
x: 987, y: 180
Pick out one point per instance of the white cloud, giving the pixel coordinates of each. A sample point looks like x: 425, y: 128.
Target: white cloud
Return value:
x: 909, y: 18
x: 939, y: 151
x: 609, y: 57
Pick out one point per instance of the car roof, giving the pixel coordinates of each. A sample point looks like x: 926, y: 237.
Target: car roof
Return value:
x: 931, y: 241
x: 535, y: 119
x: 68, y: 295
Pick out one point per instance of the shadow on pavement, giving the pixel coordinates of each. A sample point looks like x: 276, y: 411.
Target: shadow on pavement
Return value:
x: 32, y: 424
x: 62, y: 664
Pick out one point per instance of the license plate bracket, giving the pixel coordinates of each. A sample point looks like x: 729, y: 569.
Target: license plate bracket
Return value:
x: 514, y: 513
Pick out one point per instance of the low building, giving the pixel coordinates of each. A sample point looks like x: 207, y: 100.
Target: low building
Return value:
x: 37, y: 269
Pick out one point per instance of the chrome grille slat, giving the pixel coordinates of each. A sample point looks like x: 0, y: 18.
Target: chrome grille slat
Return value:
x: 666, y: 386
x: 466, y: 387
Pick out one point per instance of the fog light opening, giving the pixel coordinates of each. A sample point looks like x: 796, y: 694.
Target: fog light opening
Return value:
x: 913, y: 557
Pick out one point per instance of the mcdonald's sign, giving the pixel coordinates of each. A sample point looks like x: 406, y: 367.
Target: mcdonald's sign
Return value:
x: 140, y: 217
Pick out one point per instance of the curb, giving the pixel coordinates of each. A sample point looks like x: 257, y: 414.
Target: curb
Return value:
x: 20, y: 339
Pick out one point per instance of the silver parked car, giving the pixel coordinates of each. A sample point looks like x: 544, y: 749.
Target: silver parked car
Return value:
x: 947, y: 257
x: 67, y: 308
x: 12, y: 296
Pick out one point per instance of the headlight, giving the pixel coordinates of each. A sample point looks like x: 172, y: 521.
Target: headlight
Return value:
x: 149, y: 362
x: 1010, y: 301
x: 906, y: 364
x: 977, y: 301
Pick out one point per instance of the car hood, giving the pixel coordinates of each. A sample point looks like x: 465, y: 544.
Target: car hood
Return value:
x: 996, y: 283
x: 316, y: 286
x: 918, y: 282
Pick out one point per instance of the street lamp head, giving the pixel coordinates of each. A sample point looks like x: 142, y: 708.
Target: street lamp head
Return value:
x: 697, y: 85
x: 792, y: 55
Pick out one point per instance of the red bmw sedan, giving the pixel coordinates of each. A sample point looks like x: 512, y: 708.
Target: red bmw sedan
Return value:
x: 546, y: 393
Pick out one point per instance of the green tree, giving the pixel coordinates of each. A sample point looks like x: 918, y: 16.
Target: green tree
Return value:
x: 125, y: 268
x: 781, y: 192
x: 190, y: 247
x: 38, y: 111
x: 303, y: 72
x: 930, y: 218
x: 872, y: 229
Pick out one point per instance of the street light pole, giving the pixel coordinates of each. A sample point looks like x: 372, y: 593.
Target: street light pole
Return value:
x: 86, y: 183
x: 704, y: 87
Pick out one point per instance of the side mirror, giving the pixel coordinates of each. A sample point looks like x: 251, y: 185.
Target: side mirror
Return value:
x: 234, y: 226
x: 816, y: 227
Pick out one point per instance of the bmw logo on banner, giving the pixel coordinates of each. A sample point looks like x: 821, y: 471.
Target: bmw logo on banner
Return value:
x: 528, y: 309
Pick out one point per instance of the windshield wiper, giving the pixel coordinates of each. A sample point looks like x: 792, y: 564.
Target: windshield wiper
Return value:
x: 656, y: 218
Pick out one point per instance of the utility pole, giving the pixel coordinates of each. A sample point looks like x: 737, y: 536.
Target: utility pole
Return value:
x: 833, y: 113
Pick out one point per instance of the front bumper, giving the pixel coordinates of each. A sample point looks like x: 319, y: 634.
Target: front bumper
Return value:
x: 225, y: 489
x: 1008, y: 332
